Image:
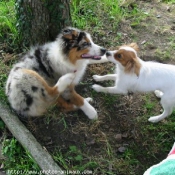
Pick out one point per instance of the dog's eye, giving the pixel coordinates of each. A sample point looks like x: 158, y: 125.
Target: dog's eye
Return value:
x: 119, y: 56
x: 66, y: 31
x: 85, y: 44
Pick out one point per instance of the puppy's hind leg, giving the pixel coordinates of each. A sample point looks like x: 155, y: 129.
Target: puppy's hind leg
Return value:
x: 167, y: 104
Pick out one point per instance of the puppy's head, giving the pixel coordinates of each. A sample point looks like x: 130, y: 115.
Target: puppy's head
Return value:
x: 126, y: 56
x: 78, y: 45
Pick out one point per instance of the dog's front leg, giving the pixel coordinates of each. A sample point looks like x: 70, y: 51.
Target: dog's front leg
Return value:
x: 111, y: 90
x: 105, y: 77
x: 83, y: 104
x: 88, y: 109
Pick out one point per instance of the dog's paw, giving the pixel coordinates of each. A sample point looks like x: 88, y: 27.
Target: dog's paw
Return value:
x: 97, y: 87
x: 96, y: 77
x: 68, y: 78
x: 90, y: 112
x: 154, y: 119
x: 65, y: 81
x: 158, y: 93
x: 89, y: 99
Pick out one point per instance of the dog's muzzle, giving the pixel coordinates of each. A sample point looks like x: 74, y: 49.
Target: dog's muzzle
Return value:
x: 108, y: 54
x: 103, y: 51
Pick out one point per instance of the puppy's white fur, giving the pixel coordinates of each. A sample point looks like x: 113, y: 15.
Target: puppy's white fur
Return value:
x: 152, y: 76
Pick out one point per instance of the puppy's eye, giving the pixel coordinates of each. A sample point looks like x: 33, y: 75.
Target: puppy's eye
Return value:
x: 119, y: 56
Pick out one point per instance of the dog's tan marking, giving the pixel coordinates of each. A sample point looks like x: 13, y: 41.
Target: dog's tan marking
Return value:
x: 87, y: 39
x: 65, y: 105
x: 68, y: 36
x: 75, y: 33
x: 75, y: 100
x: 75, y: 55
x: 53, y: 91
x: 71, y: 35
x: 129, y: 60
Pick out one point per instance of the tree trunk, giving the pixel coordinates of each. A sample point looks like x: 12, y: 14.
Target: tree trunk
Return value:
x: 40, y: 21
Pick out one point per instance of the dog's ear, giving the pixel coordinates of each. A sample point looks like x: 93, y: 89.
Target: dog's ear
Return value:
x: 134, y: 46
x: 70, y: 34
x: 133, y: 65
x: 70, y: 37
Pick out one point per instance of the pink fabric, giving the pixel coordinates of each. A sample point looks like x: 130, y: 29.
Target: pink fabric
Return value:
x: 172, y: 150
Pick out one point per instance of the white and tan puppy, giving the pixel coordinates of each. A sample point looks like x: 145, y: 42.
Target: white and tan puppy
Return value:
x: 135, y: 75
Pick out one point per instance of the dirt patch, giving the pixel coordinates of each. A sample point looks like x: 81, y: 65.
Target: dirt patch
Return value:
x: 121, y: 118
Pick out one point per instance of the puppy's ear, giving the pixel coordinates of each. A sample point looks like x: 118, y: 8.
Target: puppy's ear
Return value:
x: 134, y: 46
x: 69, y: 33
x: 133, y: 66
x: 137, y: 68
x: 129, y: 66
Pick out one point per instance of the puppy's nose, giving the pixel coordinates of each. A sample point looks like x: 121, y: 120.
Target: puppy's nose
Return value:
x: 108, y: 54
x: 103, y: 51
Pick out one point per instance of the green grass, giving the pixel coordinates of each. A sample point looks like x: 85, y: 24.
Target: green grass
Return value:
x: 8, y: 31
x: 73, y: 159
x: 18, y: 159
x: 86, y: 14
x: 3, y: 77
x: 169, y: 1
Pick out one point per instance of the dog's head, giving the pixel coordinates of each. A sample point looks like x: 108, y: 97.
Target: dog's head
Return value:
x: 126, y: 56
x: 79, y: 45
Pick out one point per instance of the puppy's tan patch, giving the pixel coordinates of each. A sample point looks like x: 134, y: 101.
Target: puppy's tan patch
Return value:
x: 129, y: 60
x: 134, y: 46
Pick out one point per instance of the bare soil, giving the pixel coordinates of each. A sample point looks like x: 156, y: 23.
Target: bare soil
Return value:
x: 121, y: 118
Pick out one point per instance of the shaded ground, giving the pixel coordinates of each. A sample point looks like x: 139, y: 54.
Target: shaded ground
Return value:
x: 119, y: 131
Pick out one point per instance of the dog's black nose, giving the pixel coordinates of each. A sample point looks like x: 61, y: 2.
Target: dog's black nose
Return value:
x: 108, y: 54
x: 103, y: 51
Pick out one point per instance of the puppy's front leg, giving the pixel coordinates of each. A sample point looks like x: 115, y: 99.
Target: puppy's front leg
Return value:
x: 105, y: 77
x: 111, y: 90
